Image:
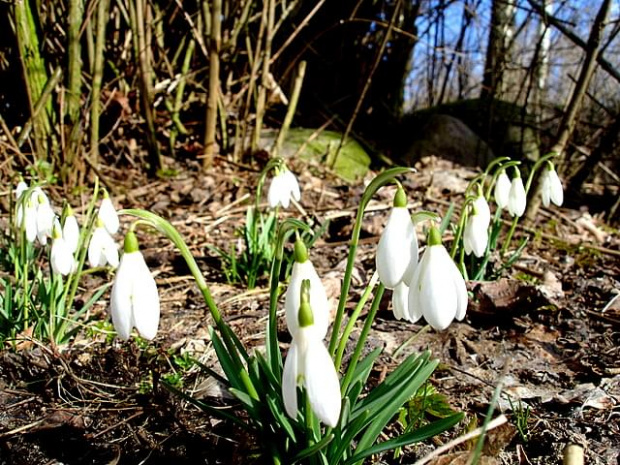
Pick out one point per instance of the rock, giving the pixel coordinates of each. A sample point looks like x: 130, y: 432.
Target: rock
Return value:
x: 448, y: 137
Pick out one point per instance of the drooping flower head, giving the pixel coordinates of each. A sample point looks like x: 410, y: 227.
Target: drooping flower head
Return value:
x: 397, y: 252
x: 102, y: 249
x: 304, y: 270
x: 476, y: 234
x: 26, y: 216
x: 437, y: 291
x: 551, y: 188
x: 309, y: 364
x: 517, y: 198
x: 134, y: 301
x: 45, y: 215
x: 502, y: 190
x: 107, y: 214
x: 71, y: 229
x: 283, y: 187
x: 61, y: 256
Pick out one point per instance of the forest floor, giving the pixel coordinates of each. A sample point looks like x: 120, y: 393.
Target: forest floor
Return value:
x: 548, y: 328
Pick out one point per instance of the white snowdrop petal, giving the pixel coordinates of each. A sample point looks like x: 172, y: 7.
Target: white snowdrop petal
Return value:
x: 293, y: 185
x: 321, y: 382
x: 517, y: 198
x: 95, y: 249
x: 30, y: 222
x: 145, y: 298
x: 45, y: 221
x: 556, y: 191
x: 121, y: 299
x: 289, y: 381
x: 20, y: 189
x: 461, y: 292
x: 61, y: 257
x: 415, y: 309
x: 71, y: 232
x: 109, y: 217
x: 438, y: 303
x: 395, y: 247
x: 400, y: 301
x: 502, y: 190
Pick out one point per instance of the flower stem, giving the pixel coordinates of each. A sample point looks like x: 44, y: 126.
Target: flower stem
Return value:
x: 354, y: 316
x: 384, y: 178
x: 361, y: 342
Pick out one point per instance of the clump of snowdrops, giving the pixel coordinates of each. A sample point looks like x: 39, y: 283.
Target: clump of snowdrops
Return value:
x: 310, y: 406
x: 248, y: 260
x: 477, y: 234
x: 43, y: 254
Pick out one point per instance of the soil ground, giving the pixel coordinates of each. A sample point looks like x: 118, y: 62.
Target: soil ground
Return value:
x: 548, y: 330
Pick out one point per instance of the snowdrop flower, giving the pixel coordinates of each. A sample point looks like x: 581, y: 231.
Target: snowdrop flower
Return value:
x: 71, y: 230
x: 134, y: 301
x: 476, y: 235
x: 61, y: 256
x: 517, y: 197
x: 283, y: 186
x: 20, y: 189
x: 26, y: 217
x: 304, y: 270
x: 309, y: 364
x: 502, y: 190
x: 397, y: 252
x: 102, y: 248
x: 107, y: 214
x: 551, y: 187
x: 45, y: 215
x: 437, y: 290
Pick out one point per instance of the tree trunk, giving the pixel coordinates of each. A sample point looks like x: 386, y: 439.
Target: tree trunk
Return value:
x: 501, y: 32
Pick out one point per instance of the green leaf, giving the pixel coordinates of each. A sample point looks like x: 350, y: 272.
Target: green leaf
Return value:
x: 312, y: 450
x: 421, y: 434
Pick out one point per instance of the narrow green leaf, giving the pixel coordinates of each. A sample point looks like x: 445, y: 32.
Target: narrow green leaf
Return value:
x: 421, y: 434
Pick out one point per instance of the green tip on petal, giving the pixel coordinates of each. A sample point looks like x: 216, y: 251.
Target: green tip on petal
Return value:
x: 105, y: 193
x: 131, y: 243
x: 434, y: 236
x: 305, y: 317
x: 400, y: 198
x: 301, y: 251
x: 550, y: 166
x: 517, y: 172
x: 68, y: 210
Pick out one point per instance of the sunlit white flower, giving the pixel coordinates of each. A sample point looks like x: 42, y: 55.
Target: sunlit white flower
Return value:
x: 437, y: 290
x: 26, y: 217
x: 397, y: 252
x: 551, y: 187
x: 61, y: 256
x: 107, y: 214
x: 71, y: 230
x: 283, y: 187
x: 476, y: 234
x: 134, y: 301
x: 517, y: 197
x: 400, y: 301
x: 45, y: 216
x: 102, y: 249
x: 302, y: 270
x: 20, y: 189
x: 502, y: 190
x: 309, y: 364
